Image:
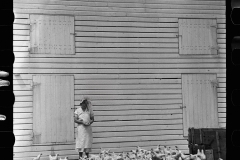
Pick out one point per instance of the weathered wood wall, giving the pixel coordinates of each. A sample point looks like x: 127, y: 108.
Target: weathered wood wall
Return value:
x: 127, y: 61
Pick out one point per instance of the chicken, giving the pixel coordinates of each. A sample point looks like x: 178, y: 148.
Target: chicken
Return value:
x: 157, y: 155
x: 175, y: 151
x: 157, y: 149
x: 66, y: 158
x: 194, y: 157
x: 202, y: 155
x: 119, y: 157
x: 176, y: 156
x: 148, y: 155
x: 184, y: 157
x: 141, y: 150
x: 94, y: 157
x: 132, y: 155
x: 38, y: 157
x: 166, y: 151
x: 198, y: 152
x: 53, y: 157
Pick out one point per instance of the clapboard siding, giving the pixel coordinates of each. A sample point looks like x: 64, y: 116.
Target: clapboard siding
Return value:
x: 127, y: 61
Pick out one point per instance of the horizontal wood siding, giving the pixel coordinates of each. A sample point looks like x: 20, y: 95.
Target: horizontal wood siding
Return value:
x: 127, y: 61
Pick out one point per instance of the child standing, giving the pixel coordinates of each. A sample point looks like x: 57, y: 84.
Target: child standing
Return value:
x: 84, y: 117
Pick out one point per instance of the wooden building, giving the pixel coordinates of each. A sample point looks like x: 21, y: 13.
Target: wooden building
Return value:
x: 152, y: 68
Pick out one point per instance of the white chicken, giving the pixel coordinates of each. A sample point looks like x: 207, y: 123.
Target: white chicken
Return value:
x: 157, y: 155
x: 183, y: 156
x: 38, y: 157
x: 157, y: 149
x: 202, y: 155
x: 166, y: 151
x: 53, y: 157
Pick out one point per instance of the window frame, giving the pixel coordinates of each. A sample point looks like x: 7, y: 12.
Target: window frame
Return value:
x: 72, y: 36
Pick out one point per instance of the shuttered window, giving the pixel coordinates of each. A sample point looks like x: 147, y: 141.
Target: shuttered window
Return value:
x: 52, y: 34
x: 199, y: 93
x: 53, y: 106
x: 198, y: 36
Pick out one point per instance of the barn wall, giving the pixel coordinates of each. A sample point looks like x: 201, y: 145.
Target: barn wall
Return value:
x: 126, y: 61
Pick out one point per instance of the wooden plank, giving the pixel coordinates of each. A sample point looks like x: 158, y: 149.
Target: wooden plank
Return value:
x: 126, y: 76
x: 127, y: 39
x: 22, y: 104
x: 21, y: 32
x: 119, y: 66
x: 22, y: 110
x: 23, y: 138
x: 138, y: 133
x: 123, y: 97
x: 23, y: 98
x: 136, y: 107
x: 117, y: 9
x: 138, y: 139
x: 21, y: 43
x: 126, y: 50
x: 129, y: 81
x: 138, y: 112
x: 23, y: 121
x: 127, y: 135
x: 221, y: 110
x: 20, y: 49
x: 21, y: 16
x: 202, y: 6
x: 21, y: 21
x: 121, y: 14
x: 21, y: 87
x: 72, y: 71
x: 133, y: 60
x: 221, y: 95
x: 126, y: 87
x: 126, y: 24
x: 20, y: 37
x: 144, y: 5
x: 38, y: 148
x: 21, y: 82
x: 136, y: 123
x: 23, y: 126
x: 102, y: 28
x: 136, y: 117
x: 20, y: 26
x: 126, y: 34
x: 133, y: 91
x: 126, y: 19
x: 22, y: 132
x: 22, y: 93
x: 125, y: 55
x: 125, y: 45
x: 219, y: 2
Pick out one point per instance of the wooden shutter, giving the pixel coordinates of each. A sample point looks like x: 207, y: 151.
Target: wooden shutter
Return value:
x: 199, y: 101
x: 53, y: 103
x: 52, y: 34
x: 198, y: 36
